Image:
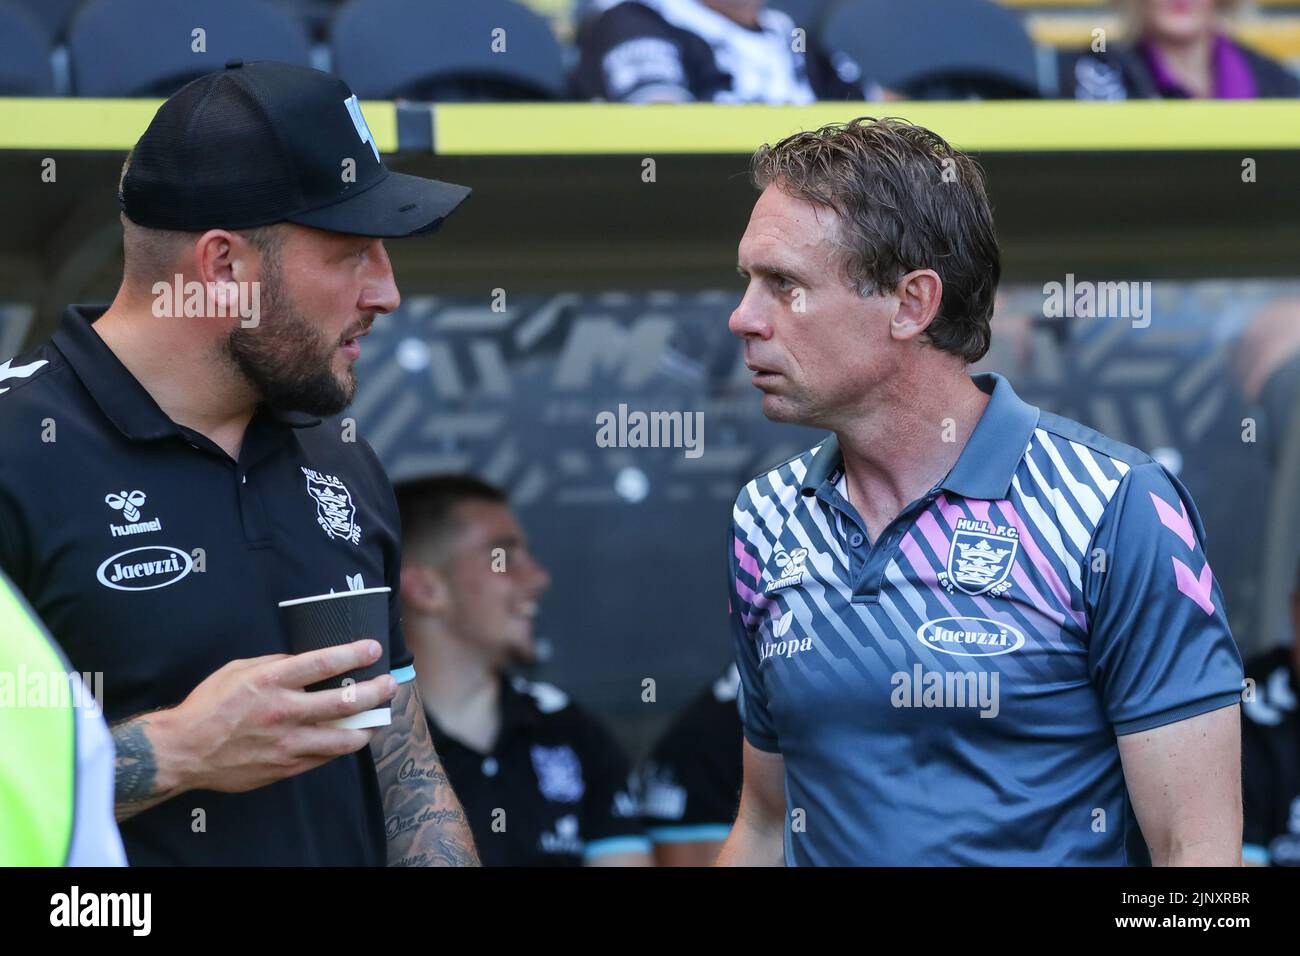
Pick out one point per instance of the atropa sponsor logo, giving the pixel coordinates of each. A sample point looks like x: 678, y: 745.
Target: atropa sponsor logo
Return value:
x: 144, y: 569
x: 781, y: 645
x: 970, y: 636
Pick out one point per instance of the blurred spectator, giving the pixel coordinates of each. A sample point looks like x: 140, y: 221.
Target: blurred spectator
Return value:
x: 691, y: 780
x: 723, y: 51
x: 1181, y: 52
x: 541, y: 782
x: 1270, y: 751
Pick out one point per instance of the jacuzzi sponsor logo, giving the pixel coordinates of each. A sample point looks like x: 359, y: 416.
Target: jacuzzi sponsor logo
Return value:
x: 970, y: 636
x: 144, y: 569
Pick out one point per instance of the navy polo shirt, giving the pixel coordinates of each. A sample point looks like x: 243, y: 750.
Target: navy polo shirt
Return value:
x: 155, y: 559
x: 690, y: 783
x: 951, y: 693
x: 554, y: 790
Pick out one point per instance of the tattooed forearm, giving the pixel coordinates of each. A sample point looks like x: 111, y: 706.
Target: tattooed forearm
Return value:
x: 434, y: 774
x: 424, y: 821
x: 395, y: 825
x: 136, y: 769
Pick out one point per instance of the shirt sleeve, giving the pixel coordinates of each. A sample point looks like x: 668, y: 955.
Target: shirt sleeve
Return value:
x: 744, y: 581
x: 1160, y: 649
x: 611, y: 816
x: 629, y: 54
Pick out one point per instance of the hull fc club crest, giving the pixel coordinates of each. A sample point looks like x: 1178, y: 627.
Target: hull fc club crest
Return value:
x: 559, y: 773
x: 980, y: 558
x: 334, y: 509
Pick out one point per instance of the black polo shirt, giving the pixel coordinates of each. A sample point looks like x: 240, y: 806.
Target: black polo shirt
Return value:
x: 1270, y: 761
x: 156, y: 559
x: 554, y: 790
x: 690, y: 783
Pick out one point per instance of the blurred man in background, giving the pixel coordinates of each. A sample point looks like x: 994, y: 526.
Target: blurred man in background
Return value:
x: 721, y: 51
x: 1174, y: 49
x: 690, y: 783
x: 541, y: 782
x: 1271, y: 752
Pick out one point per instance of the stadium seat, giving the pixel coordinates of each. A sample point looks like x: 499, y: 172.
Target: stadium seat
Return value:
x: 315, y: 15
x: 937, y: 49
x: 24, y: 54
x: 53, y: 15
x: 443, y: 50
x: 144, y: 48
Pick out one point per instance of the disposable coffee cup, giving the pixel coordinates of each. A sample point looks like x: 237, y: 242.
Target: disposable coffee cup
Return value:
x: 327, y: 620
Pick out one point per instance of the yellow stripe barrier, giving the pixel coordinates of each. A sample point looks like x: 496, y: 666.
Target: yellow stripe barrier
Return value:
x: 556, y: 129
x: 648, y: 130
x: 52, y: 124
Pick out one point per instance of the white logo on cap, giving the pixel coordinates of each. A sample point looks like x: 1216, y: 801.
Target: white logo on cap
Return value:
x: 359, y: 121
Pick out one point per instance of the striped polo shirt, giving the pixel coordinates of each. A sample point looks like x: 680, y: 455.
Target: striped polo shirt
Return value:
x: 951, y: 693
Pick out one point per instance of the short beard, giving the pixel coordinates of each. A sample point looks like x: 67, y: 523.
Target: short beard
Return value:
x: 286, y: 358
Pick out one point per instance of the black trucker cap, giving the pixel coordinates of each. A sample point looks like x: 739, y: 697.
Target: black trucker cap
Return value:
x: 265, y: 142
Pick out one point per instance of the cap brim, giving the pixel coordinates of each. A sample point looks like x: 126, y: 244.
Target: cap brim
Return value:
x: 399, y: 205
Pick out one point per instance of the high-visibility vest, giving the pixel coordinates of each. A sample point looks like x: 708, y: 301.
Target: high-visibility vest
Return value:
x: 56, y: 754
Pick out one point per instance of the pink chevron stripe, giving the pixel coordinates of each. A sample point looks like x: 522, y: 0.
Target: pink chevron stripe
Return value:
x: 746, y: 561
x: 1179, y: 524
x: 1199, y: 589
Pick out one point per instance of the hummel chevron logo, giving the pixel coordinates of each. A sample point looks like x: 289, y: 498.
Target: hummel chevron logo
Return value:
x: 22, y: 371
x: 1196, y: 588
x: 1179, y: 524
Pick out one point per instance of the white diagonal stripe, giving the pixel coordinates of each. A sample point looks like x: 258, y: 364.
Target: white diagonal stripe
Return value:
x: 1060, y: 508
x: 1046, y: 527
x: 1107, y: 485
x: 1083, y: 494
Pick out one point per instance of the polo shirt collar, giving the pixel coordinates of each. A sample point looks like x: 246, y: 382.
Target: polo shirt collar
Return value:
x: 117, y: 392
x: 518, y: 712
x: 518, y: 709
x: 988, y: 462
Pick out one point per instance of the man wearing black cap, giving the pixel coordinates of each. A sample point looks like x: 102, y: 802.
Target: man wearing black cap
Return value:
x: 168, y: 480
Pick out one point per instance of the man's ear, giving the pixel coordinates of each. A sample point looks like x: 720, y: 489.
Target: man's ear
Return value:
x: 214, y: 253
x: 423, y: 590
x: 216, y: 266
x: 919, y: 294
